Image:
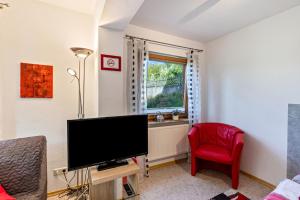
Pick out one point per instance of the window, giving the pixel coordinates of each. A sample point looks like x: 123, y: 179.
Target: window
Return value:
x: 165, y: 83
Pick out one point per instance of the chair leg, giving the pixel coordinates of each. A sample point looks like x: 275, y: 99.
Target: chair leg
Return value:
x: 194, y: 166
x: 235, y: 173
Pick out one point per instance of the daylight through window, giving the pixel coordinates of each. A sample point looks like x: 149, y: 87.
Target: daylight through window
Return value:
x: 165, y: 84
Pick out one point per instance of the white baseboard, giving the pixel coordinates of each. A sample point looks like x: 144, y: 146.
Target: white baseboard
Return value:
x: 167, y: 159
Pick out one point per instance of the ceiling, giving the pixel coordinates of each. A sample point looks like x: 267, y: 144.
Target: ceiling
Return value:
x: 200, y: 20
x: 205, y: 20
x: 118, y: 13
x: 83, y: 6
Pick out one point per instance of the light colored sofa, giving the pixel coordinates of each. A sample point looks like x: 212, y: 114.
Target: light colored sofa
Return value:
x: 286, y: 190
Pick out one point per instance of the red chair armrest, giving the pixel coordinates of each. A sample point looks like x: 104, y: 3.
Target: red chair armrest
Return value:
x: 237, y: 147
x: 193, y: 139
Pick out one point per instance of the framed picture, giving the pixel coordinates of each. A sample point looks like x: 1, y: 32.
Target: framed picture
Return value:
x: 109, y: 62
x: 36, y: 81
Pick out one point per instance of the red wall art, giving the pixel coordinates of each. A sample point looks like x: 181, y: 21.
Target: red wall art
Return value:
x: 36, y: 81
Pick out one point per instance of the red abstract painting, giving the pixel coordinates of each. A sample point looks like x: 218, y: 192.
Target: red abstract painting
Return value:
x: 36, y: 81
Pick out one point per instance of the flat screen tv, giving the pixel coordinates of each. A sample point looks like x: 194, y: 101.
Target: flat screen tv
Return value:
x: 99, y: 141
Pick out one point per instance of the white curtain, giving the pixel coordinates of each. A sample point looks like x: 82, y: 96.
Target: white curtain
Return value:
x: 137, y: 62
x: 137, y: 59
x: 193, y: 81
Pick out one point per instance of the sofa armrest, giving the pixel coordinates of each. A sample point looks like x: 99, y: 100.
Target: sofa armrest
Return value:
x: 193, y: 139
x: 237, y: 147
x: 297, y: 179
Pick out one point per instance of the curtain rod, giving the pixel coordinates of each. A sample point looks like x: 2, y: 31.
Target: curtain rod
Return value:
x: 163, y: 43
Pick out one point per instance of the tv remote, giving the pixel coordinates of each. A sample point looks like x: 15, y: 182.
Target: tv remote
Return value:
x: 128, y: 189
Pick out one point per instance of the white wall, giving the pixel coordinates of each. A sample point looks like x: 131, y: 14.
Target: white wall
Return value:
x: 35, y: 32
x: 253, y: 74
x: 111, y: 83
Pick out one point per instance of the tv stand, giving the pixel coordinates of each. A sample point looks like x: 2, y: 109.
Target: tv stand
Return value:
x: 111, y: 164
x: 105, y: 185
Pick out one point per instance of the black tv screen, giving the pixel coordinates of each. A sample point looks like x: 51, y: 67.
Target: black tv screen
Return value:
x: 98, y: 140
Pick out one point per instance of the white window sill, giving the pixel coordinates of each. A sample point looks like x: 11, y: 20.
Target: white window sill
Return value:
x: 165, y: 110
x: 167, y: 123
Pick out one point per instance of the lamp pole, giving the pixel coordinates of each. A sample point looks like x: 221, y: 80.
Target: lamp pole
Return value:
x: 82, y: 54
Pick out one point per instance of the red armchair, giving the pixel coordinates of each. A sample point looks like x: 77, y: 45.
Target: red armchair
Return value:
x: 216, y: 146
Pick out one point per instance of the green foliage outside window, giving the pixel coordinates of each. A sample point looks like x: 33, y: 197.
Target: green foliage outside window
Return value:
x: 172, y: 100
x: 164, y: 71
x: 165, y: 85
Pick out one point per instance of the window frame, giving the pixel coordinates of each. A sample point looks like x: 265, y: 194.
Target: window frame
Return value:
x: 155, y: 56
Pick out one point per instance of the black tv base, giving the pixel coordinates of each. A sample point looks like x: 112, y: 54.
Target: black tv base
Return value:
x: 111, y: 164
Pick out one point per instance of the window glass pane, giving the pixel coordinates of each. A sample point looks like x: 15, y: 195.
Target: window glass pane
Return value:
x: 165, y: 86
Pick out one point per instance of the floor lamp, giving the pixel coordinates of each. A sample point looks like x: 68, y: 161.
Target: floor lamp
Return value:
x: 82, y: 54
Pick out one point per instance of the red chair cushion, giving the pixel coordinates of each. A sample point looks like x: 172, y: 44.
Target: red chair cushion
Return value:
x: 4, y: 195
x: 214, y: 153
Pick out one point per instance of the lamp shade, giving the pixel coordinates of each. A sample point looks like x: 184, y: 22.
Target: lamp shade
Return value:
x: 81, y: 52
x: 71, y: 72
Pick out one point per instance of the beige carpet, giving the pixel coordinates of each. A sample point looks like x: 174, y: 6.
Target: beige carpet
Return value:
x: 175, y: 183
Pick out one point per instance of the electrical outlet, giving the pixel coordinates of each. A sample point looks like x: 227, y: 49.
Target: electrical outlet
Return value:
x: 60, y: 171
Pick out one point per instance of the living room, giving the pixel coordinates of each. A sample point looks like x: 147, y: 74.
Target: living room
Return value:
x: 245, y: 61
